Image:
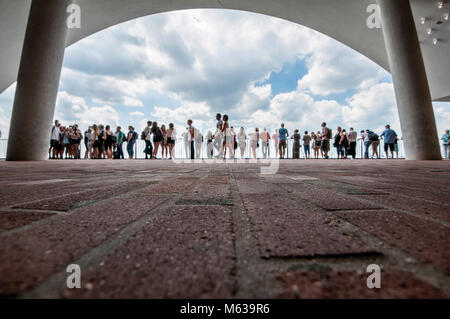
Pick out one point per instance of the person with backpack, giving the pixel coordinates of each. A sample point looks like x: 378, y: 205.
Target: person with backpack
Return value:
x: 326, y: 136
x: 374, y: 141
x: 132, y: 136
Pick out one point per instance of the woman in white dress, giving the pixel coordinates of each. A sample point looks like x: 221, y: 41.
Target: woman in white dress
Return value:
x: 242, y: 141
x: 254, y: 138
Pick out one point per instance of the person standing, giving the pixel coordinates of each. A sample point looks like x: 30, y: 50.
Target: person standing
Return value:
x: 148, y: 140
x: 367, y: 142
x: 218, y: 135
x: 254, y: 141
x: 326, y: 136
x: 265, y: 139
x: 54, y: 140
x: 317, y: 142
x: 296, y: 145
x: 198, y: 143
x: 228, y: 136
x: 131, y: 141
x: 187, y: 143
x: 75, y: 140
x: 164, y: 145
x: 171, y: 139
x: 283, y: 135
x: 191, y: 130
x: 389, y: 136
x: 120, y: 138
x: 375, y: 141
x: 306, y: 144
x: 446, y: 143
x: 209, y: 145
x: 242, y: 141
x: 352, y: 138
x: 157, y: 138
x: 276, y: 138
x: 86, y: 141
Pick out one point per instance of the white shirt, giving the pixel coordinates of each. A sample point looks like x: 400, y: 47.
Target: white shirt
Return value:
x: 365, y: 136
x: 148, y: 133
x: 55, y: 133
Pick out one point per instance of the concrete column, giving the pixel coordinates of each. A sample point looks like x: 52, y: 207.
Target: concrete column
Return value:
x: 410, y: 81
x: 38, y: 81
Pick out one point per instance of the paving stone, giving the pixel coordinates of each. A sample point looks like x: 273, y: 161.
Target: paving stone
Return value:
x: 284, y: 228
x: 30, y: 257
x: 426, y: 208
x: 327, y: 199
x: 186, y: 252
x: 169, y: 187
x: 12, y: 220
x: 426, y: 240
x: 70, y: 201
x: 333, y: 284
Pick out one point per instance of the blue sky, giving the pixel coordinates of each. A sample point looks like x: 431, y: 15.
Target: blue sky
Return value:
x: 259, y: 70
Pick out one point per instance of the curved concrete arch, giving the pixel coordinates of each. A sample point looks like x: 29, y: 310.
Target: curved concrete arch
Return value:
x: 343, y: 20
x: 416, y: 64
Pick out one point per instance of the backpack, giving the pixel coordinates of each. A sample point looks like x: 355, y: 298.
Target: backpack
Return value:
x: 330, y: 134
x: 135, y: 136
x: 373, y: 136
x: 143, y: 135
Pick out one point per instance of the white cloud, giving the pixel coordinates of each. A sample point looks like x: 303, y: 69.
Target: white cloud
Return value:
x: 372, y: 108
x: 83, y: 114
x: 137, y: 113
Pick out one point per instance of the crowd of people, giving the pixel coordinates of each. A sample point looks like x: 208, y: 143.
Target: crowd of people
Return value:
x: 102, y: 143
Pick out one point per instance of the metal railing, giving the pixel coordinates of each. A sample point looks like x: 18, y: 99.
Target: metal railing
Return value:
x: 180, y: 150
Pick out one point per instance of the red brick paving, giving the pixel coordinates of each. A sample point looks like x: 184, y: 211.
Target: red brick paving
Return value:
x: 334, y: 284
x: 285, y: 228
x: 331, y: 213
x: 12, y: 220
x: 187, y: 252
x: 426, y: 240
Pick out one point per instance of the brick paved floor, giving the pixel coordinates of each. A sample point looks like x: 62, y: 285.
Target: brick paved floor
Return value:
x: 158, y: 229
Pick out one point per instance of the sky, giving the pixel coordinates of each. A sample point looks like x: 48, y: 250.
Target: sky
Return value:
x: 259, y: 70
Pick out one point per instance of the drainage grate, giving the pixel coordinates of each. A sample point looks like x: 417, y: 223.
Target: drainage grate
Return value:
x: 206, y: 202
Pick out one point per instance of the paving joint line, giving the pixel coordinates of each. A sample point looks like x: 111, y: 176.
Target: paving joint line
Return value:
x: 54, y: 285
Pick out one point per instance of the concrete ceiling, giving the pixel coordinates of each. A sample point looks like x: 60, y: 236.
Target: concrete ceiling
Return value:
x: 343, y: 20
